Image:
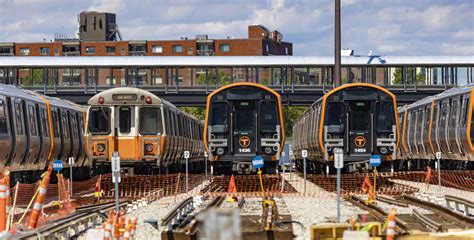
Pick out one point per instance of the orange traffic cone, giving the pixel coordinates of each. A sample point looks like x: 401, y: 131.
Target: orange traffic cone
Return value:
x: 3, y: 205
x: 232, y: 189
x: 391, y: 226
x: 39, y: 200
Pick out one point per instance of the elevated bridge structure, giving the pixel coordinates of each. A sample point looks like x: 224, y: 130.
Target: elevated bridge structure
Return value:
x: 186, y: 81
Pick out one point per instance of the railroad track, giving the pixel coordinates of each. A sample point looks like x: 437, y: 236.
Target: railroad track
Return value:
x: 460, y: 219
x: 74, y: 224
x: 460, y: 204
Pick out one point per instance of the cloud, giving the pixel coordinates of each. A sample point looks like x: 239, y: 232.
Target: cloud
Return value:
x: 109, y: 5
x: 392, y: 27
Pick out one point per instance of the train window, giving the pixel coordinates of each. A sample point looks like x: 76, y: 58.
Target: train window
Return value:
x: 268, y: 116
x: 335, y: 117
x: 385, y: 117
x: 55, y: 123
x: 219, y: 117
x: 65, y: 125
x: 453, y: 115
x: 150, y: 121
x: 99, y: 120
x: 464, y: 111
x: 44, y: 122
x: 19, y: 122
x: 442, y: 118
x: 125, y: 119
x: 244, y: 116
x: 73, y: 122
x: 3, y: 119
x: 427, y: 117
x: 81, y: 126
x: 32, y: 121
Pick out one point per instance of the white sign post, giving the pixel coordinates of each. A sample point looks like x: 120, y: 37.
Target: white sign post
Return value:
x: 304, y: 154
x: 438, y: 168
x: 116, y: 177
x: 186, y: 157
x: 71, y: 163
x: 338, y: 164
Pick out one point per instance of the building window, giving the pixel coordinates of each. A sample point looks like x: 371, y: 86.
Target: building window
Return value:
x: 5, y: 51
x: 286, y: 51
x: 225, y: 47
x: 157, y: 49
x: 24, y: 51
x: 177, y: 48
x: 110, y: 49
x: 267, y: 48
x: 122, y: 51
x: 190, y: 51
x: 110, y: 81
x: 157, y: 80
x: 90, y: 50
x: 44, y: 51
x: 56, y: 50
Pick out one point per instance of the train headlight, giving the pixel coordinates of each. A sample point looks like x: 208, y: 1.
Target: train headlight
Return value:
x: 148, y: 147
x: 100, y: 147
x: 220, y: 151
x: 268, y: 150
x: 383, y: 150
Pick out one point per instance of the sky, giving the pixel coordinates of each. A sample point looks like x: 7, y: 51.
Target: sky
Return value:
x: 385, y: 27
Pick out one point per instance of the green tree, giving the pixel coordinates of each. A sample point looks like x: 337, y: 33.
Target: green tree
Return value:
x: 290, y: 114
x: 198, y: 112
x: 212, y: 80
x: 35, y: 79
x: 398, y: 76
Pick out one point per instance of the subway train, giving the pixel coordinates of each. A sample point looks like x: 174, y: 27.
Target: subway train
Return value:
x: 36, y: 130
x: 243, y: 120
x: 148, y: 132
x: 441, y: 123
x: 359, y: 118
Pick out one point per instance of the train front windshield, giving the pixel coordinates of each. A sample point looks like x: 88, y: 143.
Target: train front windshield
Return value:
x: 385, y: 117
x: 150, y: 121
x: 99, y: 120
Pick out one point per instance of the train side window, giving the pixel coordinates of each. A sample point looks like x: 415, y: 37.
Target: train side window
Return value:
x: 44, y: 122
x: 65, y: 125
x: 427, y: 117
x: 3, y: 119
x: 81, y: 125
x: 54, y: 115
x: 335, y: 117
x: 385, y: 117
x: 268, y: 116
x: 125, y: 119
x: 72, y: 117
x: 150, y: 121
x: 218, y: 117
x: 464, y: 111
x: 19, y: 122
x: 99, y: 120
x: 453, y: 114
x: 32, y: 121
x: 442, y: 118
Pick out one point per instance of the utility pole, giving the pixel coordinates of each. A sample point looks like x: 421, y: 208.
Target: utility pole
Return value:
x: 337, y: 44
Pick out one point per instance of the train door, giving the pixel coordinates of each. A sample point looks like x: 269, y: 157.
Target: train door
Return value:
x: 360, y: 128
x: 125, y: 124
x: 244, y: 135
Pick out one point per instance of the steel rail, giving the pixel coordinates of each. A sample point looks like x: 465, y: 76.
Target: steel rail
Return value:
x: 70, y: 226
x: 426, y: 221
x: 464, y: 220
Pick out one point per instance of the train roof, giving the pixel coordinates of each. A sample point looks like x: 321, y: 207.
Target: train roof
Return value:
x: 107, y: 95
x: 351, y: 85
x: 243, y: 84
x: 448, y: 93
x: 13, y: 91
